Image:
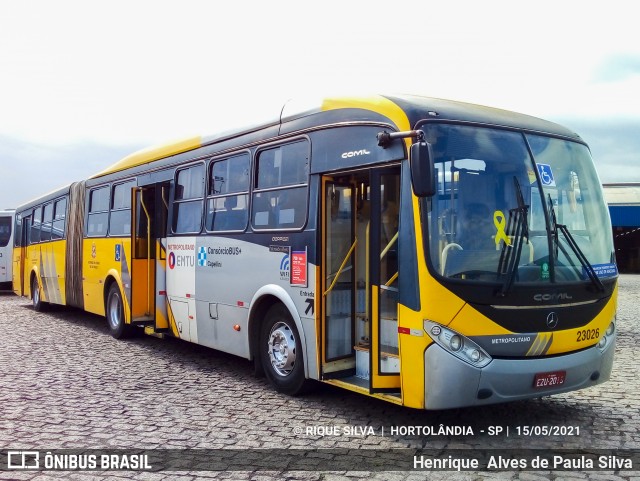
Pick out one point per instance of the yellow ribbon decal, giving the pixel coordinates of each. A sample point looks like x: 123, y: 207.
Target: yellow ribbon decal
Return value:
x: 500, y: 222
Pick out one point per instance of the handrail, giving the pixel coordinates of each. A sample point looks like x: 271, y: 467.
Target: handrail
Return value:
x: 393, y: 278
x: 144, y: 207
x: 391, y: 242
x: 367, y: 281
x: 164, y: 201
x: 344, y: 262
x: 445, y: 254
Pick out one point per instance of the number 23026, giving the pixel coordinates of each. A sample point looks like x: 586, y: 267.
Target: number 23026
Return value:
x: 588, y: 335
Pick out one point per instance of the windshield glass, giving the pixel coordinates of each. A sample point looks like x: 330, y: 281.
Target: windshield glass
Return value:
x: 489, y: 221
x: 5, y: 230
x: 573, y: 196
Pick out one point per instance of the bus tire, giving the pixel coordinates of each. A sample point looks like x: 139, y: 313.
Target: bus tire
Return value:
x: 115, y: 313
x: 281, y: 352
x: 36, y: 296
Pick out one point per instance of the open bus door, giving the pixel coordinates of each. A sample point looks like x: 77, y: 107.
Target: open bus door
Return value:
x: 360, y: 213
x: 148, y: 251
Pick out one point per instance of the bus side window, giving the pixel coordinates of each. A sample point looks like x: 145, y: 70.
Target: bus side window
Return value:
x: 262, y: 216
x: 189, y: 200
x: 291, y: 205
x: 59, y: 215
x: 227, y: 206
x: 45, y: 233
x: 17, y: 233
x: 36, y: 222
x: 98, y: 217
x: 280, y: 194
x: 120, y: 220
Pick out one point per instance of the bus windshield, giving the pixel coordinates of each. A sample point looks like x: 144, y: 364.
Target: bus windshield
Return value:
x: 501, y: 216
x: 5, y: 230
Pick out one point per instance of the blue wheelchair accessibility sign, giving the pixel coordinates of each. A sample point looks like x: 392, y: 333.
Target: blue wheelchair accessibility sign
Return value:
x: 546, y: 175
x: 118, y: 252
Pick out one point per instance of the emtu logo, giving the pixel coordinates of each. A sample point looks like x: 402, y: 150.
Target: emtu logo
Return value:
x: 172, y: 260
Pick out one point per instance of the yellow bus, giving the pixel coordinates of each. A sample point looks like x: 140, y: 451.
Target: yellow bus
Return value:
x: 431, y: 253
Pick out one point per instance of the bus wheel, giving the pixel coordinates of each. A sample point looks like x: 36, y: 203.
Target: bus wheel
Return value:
x: 36, y: 298
x: 115, y: 313
x: 281, y: 351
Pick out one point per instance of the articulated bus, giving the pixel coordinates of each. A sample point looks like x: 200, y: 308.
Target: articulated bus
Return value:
x: 431, y: 253
x: 6, y: 248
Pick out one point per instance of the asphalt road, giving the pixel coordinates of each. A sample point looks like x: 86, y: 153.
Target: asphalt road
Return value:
x: 66, y: 384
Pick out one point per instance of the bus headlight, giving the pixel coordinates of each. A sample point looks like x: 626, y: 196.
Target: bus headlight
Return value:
x: 455, y: 343
x: 475, y: 355
x: 608, y: 335
x: 611, y: 329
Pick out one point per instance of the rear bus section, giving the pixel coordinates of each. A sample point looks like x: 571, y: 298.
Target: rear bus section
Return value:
x: 42, y: 257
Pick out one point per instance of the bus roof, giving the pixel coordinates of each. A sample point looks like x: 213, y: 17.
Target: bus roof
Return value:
x: 418, y: 108
x: 44, y: 198
x: 401, y: 110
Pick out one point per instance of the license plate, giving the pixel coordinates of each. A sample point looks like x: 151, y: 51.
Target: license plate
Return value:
x: 549, y: 379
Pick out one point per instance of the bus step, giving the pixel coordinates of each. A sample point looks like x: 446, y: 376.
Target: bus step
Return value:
x: 150, y: 331
x: 143, y: 321
x: 390, y: 351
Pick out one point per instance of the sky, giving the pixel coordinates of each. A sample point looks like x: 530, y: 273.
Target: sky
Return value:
x: 83, y: 84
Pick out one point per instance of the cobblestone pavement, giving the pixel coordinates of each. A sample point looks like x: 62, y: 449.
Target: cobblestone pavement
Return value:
x: 66, y: 383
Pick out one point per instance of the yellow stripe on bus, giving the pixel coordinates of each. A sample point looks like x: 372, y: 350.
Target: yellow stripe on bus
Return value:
x: 375, y: 103
x: 153, y: 153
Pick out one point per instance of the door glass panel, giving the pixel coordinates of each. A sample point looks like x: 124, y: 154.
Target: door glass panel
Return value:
x: 388, y: 258
x: 339, y: 282
x: 144, y: 239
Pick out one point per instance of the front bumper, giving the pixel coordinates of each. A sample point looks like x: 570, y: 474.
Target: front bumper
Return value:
x: 451, y: 382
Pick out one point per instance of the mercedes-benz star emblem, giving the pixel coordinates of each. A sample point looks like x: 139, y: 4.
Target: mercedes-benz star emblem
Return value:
x: 552, y: 320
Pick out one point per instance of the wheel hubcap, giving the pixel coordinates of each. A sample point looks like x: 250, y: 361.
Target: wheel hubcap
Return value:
x: 282, y: 349
x: 115, y: 313
x: 36, y: 294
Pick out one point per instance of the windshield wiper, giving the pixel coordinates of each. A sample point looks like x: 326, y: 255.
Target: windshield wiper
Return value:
x: 573, y: 245
x: 517, y: 229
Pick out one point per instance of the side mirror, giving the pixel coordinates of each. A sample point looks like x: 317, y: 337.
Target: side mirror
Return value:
x: 422, y: 170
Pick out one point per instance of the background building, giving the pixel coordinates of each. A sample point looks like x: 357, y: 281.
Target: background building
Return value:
x: 624, y: 206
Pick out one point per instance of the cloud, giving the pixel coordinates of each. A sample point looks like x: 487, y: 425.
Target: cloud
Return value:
x: 615, y: 146
x: 617, y: 68
x: 29, y: 170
